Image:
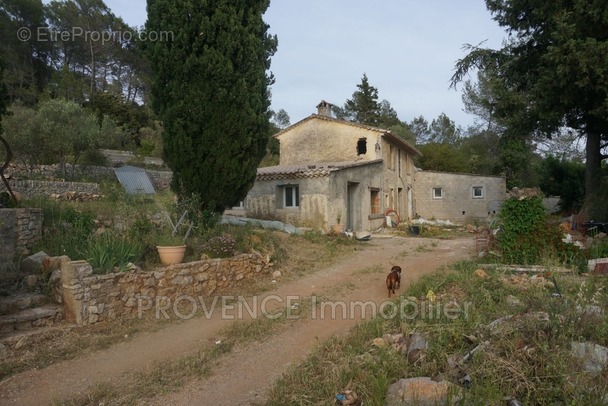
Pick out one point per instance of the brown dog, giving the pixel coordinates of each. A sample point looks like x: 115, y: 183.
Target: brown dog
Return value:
x: 393, y: 279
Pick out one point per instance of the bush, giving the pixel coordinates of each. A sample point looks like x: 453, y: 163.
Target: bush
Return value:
x: 107, y: 252
x: 525, y: 235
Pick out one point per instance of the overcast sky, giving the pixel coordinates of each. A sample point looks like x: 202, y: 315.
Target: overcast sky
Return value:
x: 407, y: 48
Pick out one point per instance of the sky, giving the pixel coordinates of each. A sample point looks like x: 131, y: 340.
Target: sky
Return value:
x: 407, y: 49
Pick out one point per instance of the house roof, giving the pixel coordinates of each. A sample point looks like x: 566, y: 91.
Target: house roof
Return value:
x: 318, y: 170
x: 385, y: 133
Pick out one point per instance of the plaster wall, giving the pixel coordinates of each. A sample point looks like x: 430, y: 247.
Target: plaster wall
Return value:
x: 457, y: 203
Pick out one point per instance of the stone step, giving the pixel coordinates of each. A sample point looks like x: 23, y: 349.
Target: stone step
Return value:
x: 12, y: 304
x: 27, y: 319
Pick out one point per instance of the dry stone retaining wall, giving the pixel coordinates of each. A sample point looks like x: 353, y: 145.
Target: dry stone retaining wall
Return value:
x: 32, y: 188
x: 20, y: 229
x: 89, y: 298
x: 29, y: 188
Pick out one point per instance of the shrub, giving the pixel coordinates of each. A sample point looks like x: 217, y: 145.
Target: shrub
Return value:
x: 525, y: 235
x: 219, y: 247
x: 107, y: 252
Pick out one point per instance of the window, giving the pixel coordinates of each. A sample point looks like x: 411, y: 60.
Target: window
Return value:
x: 361, y: 146
x: 477, y: 192
x: 375, y: 201
x: 291, y: 196
x: 437, y: 193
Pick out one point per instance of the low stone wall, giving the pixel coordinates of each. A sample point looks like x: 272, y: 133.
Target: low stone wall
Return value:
x: 116, y: 158
x: 89, y: 298
x: 32, y: 188
x: 160, y: 179
x: 20, y: 229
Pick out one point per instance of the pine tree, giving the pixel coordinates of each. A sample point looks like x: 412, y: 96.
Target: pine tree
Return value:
x: 363, y: 108
x: 210, y: 89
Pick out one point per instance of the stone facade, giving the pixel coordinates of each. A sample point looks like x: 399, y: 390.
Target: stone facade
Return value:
x: 89, y: 298
x: 339, y: 170
x: 458, y: 197
x: 20, y: 229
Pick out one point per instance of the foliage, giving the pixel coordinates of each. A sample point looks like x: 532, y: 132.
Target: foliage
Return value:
x: 565, y: 179
x: 444, y: 130
x: 66, y: 231
x: 280, y: 119
x: 58, y: 131
x: 219, y: 247
x: 363, y: 106
x: 210, y: 89
x: 127, y: 114
x: 526, y: 236
x: 27, y: 71
x: 552, y: 72
x: 107, y: 252
x: 515, y: 159
x: 201, y: 219
x: 442, y: 157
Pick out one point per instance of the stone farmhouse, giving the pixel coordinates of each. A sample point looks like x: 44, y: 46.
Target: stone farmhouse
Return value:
x: 338, y: 172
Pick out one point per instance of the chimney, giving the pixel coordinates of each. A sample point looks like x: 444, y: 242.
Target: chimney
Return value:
x: 324, y: 108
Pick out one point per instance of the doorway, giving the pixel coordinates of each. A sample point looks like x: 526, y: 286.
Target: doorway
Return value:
x: 353, y: 207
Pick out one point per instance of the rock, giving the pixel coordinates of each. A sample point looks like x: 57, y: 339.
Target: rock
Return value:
x: 416, y: 349
x: 23, y: 341
x: 594, y: 357
x: 471, y: 228
x: 276, y: 274
x: 422, y: 392
x: 590, y: 311
x: 513, y: 301
x: 31, y: 281
x: 34, y: 264
x: 396, y: 341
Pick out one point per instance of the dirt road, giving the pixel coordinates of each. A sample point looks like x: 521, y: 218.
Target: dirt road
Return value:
x: 254, y: 366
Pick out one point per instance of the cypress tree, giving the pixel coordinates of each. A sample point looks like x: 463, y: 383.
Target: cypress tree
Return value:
x: 210, y: 89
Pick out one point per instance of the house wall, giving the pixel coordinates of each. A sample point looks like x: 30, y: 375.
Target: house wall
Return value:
x: 321, y: 199
x: 356, y: 214
x: 457, y: 203
x: 264, y: 201
x: 318, y: 140
x: 399, y: 173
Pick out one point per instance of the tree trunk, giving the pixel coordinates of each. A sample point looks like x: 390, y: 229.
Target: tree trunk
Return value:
x: 593, y: 158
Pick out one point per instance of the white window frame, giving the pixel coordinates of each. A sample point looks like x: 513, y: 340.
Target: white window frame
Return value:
x: 434, y: 193
x: 295, y: 196
x: 480, y: 188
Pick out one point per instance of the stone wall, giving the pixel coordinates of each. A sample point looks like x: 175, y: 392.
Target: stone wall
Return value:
x: 160, y: 179
x: 20, y: 229
x: 117, y: 158
x: 89, y: 298
x: 32, y: 188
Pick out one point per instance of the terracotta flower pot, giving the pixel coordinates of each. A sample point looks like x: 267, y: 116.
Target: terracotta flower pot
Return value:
x: 170, y: 255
